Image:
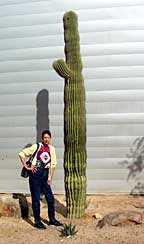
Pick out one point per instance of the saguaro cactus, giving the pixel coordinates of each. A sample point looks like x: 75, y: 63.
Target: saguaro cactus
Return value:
x: 74, y: 119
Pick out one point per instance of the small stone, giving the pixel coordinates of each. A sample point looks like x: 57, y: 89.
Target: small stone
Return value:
x: 97, y: 216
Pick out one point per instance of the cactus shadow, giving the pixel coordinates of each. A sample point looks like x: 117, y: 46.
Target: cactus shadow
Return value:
x: 60, y: 208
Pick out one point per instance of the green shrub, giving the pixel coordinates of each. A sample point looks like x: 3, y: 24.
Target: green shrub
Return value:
x: 68, y: 230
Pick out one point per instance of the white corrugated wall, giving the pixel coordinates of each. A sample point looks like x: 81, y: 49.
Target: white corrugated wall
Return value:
x: 112, y: 49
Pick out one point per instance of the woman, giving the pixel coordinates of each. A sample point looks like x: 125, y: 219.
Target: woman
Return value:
x: 41, y: 175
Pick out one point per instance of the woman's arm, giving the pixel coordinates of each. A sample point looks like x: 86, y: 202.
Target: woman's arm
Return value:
x: 27, y: 152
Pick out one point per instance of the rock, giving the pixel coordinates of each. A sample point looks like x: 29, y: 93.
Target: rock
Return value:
x: 121, y: 218
x: 9, y: 207
x: 97, y: 216
x: 138, y: 205
x: 15, y: 205
x: 25, y: 206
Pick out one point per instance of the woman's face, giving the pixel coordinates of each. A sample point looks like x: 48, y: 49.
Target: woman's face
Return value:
x: 46, y: 139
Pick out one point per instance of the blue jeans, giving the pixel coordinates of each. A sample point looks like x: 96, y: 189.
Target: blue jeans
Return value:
x: 38, y: 181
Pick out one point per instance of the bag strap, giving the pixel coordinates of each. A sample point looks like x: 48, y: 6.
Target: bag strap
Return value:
x: 32, y: 157
x: 36, y: 150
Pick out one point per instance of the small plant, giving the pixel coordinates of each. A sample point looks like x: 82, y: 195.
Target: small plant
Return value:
x: 68, y: 230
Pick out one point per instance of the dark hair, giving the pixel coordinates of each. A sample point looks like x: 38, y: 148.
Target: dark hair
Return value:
x: 46, y: 132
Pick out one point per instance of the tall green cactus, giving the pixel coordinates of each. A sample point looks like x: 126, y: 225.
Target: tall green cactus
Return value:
x: 74, y: 119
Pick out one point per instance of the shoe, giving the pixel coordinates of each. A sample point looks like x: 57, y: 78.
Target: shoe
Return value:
x: 55, y: 223
x: 40, y: 225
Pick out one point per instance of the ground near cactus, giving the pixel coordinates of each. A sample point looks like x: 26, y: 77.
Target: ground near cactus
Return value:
x: 20, y: 231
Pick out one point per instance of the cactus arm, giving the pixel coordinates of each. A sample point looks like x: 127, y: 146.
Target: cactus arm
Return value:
x: 61, y: 68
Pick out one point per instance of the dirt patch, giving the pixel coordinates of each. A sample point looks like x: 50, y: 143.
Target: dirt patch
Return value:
x: 21, y: 231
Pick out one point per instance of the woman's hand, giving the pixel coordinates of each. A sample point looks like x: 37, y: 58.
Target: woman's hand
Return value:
x: 31, y: 168
x: 27, y: 167
x: 49, y: 181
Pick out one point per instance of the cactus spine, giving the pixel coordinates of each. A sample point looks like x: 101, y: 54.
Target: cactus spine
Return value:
x: 74, y: 119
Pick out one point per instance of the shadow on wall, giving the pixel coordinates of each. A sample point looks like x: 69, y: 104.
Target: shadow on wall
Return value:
x: 42, y: 117
x: 135, y: 165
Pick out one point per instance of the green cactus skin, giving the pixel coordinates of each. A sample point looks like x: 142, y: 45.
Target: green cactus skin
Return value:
x: 74, y: 119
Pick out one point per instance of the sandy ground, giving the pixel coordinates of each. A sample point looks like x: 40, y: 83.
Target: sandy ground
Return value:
x: 21, y: 231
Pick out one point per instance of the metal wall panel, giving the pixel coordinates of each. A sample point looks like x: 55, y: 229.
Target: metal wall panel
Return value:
x: 112, y: 48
